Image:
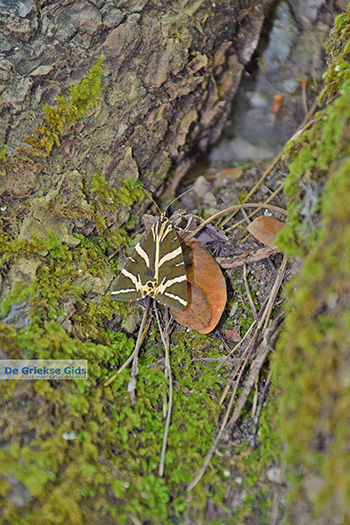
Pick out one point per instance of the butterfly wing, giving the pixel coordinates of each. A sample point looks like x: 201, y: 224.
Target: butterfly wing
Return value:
x: 171, y: 275
x: 138, y: 270
x: 155, y: 268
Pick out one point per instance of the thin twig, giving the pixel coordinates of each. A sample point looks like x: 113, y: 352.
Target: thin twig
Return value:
x: 276, y: 506
x: 135, y: 370
x: 224, y: 421
x: 228, y: 210
x: 255, y: 399
x: 237, y: 346
x: 130, y: 358
x: 165, y: 342
x: 228, y: 263
x: 263, y: 351
x: 239, y: 368
x: 210, y: 454
x: 276, y: 286
x: 258, y: 412
x: 269, y: 199
x: 246, y: 285
x: 211, y: 359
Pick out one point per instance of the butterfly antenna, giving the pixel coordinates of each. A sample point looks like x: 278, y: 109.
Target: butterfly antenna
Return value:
x: 151, y: 198
x: 177, y: 198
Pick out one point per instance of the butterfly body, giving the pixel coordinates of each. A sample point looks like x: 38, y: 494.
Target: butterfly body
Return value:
x: 155, y: 268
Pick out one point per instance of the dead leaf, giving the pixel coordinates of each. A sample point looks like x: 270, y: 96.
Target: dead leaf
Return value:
x: 197, y: 314
x: 234, y: 334
x: 277, y: 103
x: 232, y: 173
x: 265, y: 229
x: 207, y: 275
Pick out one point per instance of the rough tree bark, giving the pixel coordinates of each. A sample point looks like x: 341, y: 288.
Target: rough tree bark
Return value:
x: 171, y: 71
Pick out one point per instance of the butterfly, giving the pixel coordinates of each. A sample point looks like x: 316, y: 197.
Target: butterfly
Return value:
x: 155, y: 268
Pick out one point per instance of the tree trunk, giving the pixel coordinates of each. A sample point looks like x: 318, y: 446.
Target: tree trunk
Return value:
x: 170, y: 73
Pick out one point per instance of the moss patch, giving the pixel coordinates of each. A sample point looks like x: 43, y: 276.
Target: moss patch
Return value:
x: 75, y: 452
x: 311, y: 366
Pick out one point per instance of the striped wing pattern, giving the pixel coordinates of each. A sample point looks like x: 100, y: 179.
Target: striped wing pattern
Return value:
x: 155, y: 268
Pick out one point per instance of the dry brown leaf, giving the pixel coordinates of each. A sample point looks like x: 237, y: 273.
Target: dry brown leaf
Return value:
x: 234, y: 334
x: 197, y: 313
x: 206, y: 292
x: 277, y: 103
x: 265, y: 229
x: 232, y: 173
x: 207, y: 275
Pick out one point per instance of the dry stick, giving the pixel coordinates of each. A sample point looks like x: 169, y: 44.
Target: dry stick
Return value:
x: 140, y: 338
x: 239, y: 369
x: 258, y: 412
x: 170, y: 402
x: 255, y: 370
x: 134, y: 369
x: 255, y: 399
x: 237, y: 346
x: 222, y: 428
x: 210, y: 454
x: 272, y: 196
x: 256, y: 186
x: 228, y: 210
x: 246, y: 285
x: 276, y: 286
x: 276, y: 506
x: 244, y: 213
x: 228, y: 263
x: 263, y: 351
x: 245, y: 355
x: 262, y: 323
x: 270, y: 168
x: 211, y: 359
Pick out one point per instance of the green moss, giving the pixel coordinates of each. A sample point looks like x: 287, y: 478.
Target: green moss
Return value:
x: 110, y: 468
x: 109, y: 198
x: 113, y: 461
x: 67, y: 112
x: 3, y: 151
x: 20, y: 292
x: 315, y: 154
x: 310, y: 366
x: 252, y: 465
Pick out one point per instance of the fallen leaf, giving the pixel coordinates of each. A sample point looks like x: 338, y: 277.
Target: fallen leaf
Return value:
x: 265, y: 229
x: 197, y: 314
x: 234, y: 334
x: 232, y: 173
x: 277, y: 103
x: 206, y: 274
